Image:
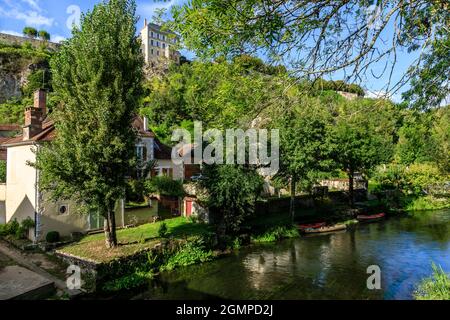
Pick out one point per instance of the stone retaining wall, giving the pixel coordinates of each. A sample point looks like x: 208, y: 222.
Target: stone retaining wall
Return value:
x: 16, y: 40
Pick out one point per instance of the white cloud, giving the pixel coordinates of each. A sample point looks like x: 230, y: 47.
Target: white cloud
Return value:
x: 33, y: 4
x: 57, y: 38
x: 13, y: 33
x: 30, y: 17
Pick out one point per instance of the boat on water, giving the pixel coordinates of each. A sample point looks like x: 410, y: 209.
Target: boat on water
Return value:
x: 325, y: 229
x: 311, y: 226
x: 373, y: 217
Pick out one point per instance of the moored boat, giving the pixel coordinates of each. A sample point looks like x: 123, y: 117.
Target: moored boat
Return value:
x: 373, y: 217
x: 311, y: 225
x: 325, y: 229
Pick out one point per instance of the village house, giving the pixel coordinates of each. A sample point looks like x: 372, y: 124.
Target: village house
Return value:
x: 20, y: 196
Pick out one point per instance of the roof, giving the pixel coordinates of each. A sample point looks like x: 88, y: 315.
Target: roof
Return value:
x: 10, y: 127
x: 162, y: 151
x: 48, y: 133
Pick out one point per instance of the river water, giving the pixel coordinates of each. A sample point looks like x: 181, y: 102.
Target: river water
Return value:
x: 331, y: 266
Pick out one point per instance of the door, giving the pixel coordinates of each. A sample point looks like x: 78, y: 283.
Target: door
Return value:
x: 188, y: 208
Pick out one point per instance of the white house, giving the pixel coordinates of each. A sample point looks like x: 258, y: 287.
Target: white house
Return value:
x: 20, y: 197
x: 158, y: 45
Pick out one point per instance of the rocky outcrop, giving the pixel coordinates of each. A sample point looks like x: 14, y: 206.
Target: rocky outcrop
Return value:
x: 14, y: 71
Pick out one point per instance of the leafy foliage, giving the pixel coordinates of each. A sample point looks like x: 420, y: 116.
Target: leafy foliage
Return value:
x: 30, y: 32
x: 164, y: 186
x: 436, y: 287
x: 189, y: 254
x: 52, y: 237
x: 2, y: 171
x: 163, y: 231
x: 232, y: 193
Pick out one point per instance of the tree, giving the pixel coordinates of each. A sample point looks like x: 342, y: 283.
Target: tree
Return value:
x: 441, y: 136
x: 97, y: 74
x: 232, y: 193
x: 220, y: 94
x: 44, y: 35
x: 30, y: 32
x: 321, y: 37
x: 2, y: 171
x: 363, y: 136
x: 304, y: 148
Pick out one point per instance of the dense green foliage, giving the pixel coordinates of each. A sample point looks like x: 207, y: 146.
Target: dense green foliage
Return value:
x: 52, y: 237
x: 220, y: 94
x: 321, y: 37
x: 164, y: 185
x: 232, y: 193
x: 2, y: 171
x: 189, y: 254
x: 436, y: 287
x: 30, y: 32
x: 97, y: 74
x: 15, y: 229
x: 276, y: 234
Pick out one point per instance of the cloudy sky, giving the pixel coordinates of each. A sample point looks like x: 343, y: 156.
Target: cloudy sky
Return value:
x: 56, y: 17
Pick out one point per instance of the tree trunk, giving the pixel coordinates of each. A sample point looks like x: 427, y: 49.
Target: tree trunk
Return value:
x: 351, y: 192
x: 110, y: 230
x: 292, y: 205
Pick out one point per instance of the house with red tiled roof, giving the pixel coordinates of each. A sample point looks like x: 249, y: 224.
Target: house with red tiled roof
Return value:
x: 21, y: 195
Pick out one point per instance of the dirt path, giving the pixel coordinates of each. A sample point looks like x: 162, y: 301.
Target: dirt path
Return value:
x: 36, y: 262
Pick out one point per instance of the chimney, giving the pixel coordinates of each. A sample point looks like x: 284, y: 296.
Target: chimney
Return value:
x: 145, y: 124
x: 35, y: 115
x: 40, y: 100
x: 145, y: 22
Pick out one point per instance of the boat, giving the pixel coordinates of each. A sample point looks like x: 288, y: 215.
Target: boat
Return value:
x: 373, y: 217
x: 325, y: 229
x: 311, y: 225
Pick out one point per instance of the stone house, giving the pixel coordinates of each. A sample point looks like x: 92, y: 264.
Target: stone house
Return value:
x: 20, y: 196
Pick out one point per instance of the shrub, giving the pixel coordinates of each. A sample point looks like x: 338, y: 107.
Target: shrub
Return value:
x: 277, y: 233
x: 163, y: 231
x: 435, y: 288
x: 52, y: 237
x: 12, y: 227
x: 134, y: 280
x: 2, y: 171
x: 164, y: 186
x: 189, y: 254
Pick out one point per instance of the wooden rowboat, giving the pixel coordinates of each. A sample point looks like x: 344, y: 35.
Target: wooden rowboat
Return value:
x: 373, y: 217
x: 336, y: 227
x: 311, y: 226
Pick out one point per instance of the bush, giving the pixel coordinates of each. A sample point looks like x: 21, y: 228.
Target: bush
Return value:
x: 134, y: 280
x: 435, y: 288
x: 189, y: 254
x: 52, y: 237
x: 277, y: 233
x: 2, y: 171
x: 163, y: 231
x: 164, y: 186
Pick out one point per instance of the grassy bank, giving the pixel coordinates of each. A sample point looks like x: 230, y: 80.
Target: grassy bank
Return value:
x: 437, y: 287
x: 134, y: 240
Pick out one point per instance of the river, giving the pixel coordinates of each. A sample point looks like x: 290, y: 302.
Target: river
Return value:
x: 331, y: 266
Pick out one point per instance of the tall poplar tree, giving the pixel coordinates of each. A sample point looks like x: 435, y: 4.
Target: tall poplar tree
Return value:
x: 97, y: 74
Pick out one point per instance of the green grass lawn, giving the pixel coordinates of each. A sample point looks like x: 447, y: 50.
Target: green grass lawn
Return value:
x: 133, y: 240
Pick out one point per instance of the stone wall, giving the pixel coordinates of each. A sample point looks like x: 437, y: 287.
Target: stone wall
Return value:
x: 16, y: 40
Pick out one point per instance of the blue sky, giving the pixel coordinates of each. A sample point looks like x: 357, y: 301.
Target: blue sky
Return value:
x: 56, y: 16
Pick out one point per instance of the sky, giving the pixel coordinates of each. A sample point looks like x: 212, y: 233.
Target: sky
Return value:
x: 57, y: 16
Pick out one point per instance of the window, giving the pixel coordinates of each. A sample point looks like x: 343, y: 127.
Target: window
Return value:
x: 157, y: 53
x: 141, y: 153
x: 152, y: 34
x: 63, y: 209
x: 151, y: 42
x: 164, y: 45
x: 157, y: 44
x: 152, y: 51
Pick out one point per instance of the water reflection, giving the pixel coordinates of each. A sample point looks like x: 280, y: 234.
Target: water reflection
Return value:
x: 332, y: 266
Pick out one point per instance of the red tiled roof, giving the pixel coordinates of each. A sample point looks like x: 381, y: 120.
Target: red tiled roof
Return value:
x: 162, y: 151
x: 10, y: 127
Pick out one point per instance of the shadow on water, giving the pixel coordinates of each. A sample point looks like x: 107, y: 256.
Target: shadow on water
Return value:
x: 331, y: 266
